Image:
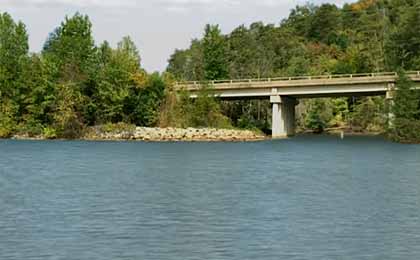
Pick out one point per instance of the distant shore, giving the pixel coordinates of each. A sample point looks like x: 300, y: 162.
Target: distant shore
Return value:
x: 163, y: 134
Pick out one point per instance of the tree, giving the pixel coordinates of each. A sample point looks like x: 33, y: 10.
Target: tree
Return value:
x: 8, y: 110
x: 369, y: 114
x: 118, y: 76
x: 188, y: 64
x: 318, y: 115
x: 324, y: 24
x: 214, y: 54
x: 13, y: 51
x: 405, y: 124
x: 406, y: 99
x: 72, y: 48
x: 13, y: 46
x: 241, y: 53
x: 177, y: 64
x: 143, y: 105
x: 67, y: 120
x: 37, y: 95
x: 206, y: 111
x: 404, y: 44
x: 299, y: 20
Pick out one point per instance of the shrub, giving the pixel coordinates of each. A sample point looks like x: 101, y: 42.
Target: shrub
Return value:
x: 204, y: 111
x: 68, y: 121
x: 5, y: 131
x: 7, y: 118
x: 405, y: 131
x: 30, y: 128
x: 318, y: 115
x: 49, y: 133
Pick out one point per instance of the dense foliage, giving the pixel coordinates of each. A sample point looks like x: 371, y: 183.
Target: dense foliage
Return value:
x: 72, y: 83
x: 365, y: 36
x: 178, y: 110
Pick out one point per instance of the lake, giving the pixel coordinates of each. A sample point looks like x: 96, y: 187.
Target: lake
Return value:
x: 309, y: 197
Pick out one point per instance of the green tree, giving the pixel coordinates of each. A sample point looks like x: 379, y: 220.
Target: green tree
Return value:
x: 8, y: 123
x: 118, y: 76
x: 206, y: 111
x: 214, y: 53
x: 71, y: 46
x: 37, y: 95
x: 404, y: 43
x: 405, y: 123
x: 13, y: 51
x: 13, y: 47
x: 241, y: 53
x: 188, y: 64
x: 325, y: 23
x: 72, y: 51
x: 369, y: 114
x: 143, y: 106
x: 318, y: 115
x: 67, y: 120
x: 299, y: 20
x: 406, y: 99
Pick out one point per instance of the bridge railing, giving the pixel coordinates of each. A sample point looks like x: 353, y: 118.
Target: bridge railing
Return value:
x: 318, y: 77
x: 415, y: 74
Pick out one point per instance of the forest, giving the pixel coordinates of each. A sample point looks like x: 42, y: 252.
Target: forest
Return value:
x: 75, y: 83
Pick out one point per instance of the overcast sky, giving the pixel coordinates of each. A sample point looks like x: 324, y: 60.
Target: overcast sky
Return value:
x: 158, y: 27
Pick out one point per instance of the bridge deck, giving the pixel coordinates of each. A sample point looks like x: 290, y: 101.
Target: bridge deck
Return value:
x: 324, y: 85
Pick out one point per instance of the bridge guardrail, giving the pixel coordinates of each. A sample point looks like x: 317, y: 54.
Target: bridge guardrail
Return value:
x: 325, y: 77
x: 413, y: 73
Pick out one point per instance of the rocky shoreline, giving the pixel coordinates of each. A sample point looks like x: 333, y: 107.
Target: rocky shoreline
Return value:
x: 97, y: 133
x: 176, y: 134
x: 170, y: 134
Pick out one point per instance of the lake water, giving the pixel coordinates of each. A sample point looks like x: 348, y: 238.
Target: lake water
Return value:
x: 311, y: 197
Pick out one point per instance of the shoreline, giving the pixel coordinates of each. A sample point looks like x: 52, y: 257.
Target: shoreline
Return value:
x: 170, y: 134
x: 156, y: 134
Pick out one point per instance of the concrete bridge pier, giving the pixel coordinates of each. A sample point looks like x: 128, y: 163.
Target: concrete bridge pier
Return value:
x: 283, y: 116
x: 390, y: 102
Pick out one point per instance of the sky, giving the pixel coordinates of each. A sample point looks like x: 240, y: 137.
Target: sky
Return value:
x: 158, y: 27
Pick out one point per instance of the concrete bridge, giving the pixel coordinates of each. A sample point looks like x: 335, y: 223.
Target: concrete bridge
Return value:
x: 285, y: 91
